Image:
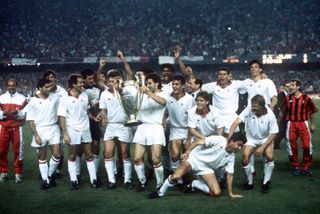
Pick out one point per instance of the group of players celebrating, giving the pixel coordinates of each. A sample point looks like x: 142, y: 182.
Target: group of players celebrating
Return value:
x: 187, y: 127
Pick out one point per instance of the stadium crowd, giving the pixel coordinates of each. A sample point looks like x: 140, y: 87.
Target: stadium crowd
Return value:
x: 70, y: 29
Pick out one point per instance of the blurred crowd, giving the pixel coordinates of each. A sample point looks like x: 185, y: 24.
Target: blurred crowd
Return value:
x: 310, y: 79
x: 79, y: 28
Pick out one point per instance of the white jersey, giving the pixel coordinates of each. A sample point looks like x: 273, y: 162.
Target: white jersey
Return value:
x: 207, y: 125
x: 224, y: 100
x: 75, y: 111
x: 61, y: 92
x: 212, y: 155
x: 152, y: 112
x: 264, y: 87
x: 93, y: 97
x: 178, y: 110
x: 43, y: 111
x: 259, y: 128
x: 167, y: 88
x: 115, y: 112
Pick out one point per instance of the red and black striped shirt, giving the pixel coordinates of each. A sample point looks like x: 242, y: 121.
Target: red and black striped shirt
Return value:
x: 299, y: 109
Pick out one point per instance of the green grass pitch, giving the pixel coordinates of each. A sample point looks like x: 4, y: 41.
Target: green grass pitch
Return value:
x: 288, y: 194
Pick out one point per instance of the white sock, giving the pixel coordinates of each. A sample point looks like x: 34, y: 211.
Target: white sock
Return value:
x: 91, y: 170
x: 115, y: 166
x: 109, y: 165
x: 96, y: 159
x: 252, y: 163
x: 139, y: 168
x: 175, y: 165
x: 166, y: 185
x: 201, y: 185
x: 78, y: 165
x: 268, y: 169
x: 158, y: 171
x: 247, y: 173
x: 127, y: 168
x: 43, y: 167
x: 72, y: 168
x: 53, y: 164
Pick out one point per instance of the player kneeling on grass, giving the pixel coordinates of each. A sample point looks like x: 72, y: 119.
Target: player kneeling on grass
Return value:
x: 204, y: 157
x: 74, y: 123
x: 42, y: 117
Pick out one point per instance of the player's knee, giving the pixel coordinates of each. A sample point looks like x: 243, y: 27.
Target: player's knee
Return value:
x: 215, y: 193
x: 72, y: 157
x: 125, y: 156
x: 56, y: 156
x: 245, y: 160
x: 108, y: 155
x: 138, y: 161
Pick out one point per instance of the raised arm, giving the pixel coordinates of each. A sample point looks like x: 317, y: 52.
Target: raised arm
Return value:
x: 127, y: 68
x: 187, y: 71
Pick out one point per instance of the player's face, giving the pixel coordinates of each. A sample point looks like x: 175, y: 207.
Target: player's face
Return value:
x: 234, y: 146
x: 152, y: 86
x: 79, y: 85
x: 46, y: 89
x: 177, y: 87
x: 256, y: 108
x: 89, y: 81
x: 223, y: 76
x: 103, y: 78
x: 255, y: 69
x: 114, y: 81
x: 294, y: 88
x: 52, y: 78
x: 201, y: 103
x: 286, y: 87
x: 192, y: 86
x: 12, y: 87
x: 166, y: 75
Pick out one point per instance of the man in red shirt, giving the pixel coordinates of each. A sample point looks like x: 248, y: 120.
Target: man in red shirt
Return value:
x: 11, y: 121
x: 298, y: 110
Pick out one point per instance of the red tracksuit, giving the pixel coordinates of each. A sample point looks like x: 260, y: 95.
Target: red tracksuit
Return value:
x: 11, y: 130
x: 297, y: 112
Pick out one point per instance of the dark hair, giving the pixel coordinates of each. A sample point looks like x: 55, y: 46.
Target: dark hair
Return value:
x: 180, y: 78
x: 155, y: 78
x: 49, y: 72
x: 224, y: 69
x: 258, y: 99
x: 73, y: 79
x: 238, y: 136
x: 87, y: 72
x: 257, y: 62
x: 145, y: 71
x: 205, y: 95
x: 114, y: 73
x: 297, y: 82
x: 166, y: 65
x: 42, y: 82
x: 12, y: 79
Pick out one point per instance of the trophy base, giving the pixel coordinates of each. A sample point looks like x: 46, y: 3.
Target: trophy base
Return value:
x: 133, y: 123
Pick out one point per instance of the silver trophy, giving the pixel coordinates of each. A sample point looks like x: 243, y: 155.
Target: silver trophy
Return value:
x: 130, y: 97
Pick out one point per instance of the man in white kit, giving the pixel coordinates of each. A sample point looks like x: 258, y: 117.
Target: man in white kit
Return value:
x: 150, y: 132
x: 257, y: 84
x: 60, y: 91
x: 225, y: 96
x: 178, y: 104
x: 261, y: 129
x: 74, y: 123
x: 204, y: 157
x: 113, y: 118
x: 42, y: 118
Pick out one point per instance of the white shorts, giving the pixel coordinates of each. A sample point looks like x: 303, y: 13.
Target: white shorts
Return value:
x: 228, y: 119
x: 123, y: 133
x: 255, y: 143
x: 149, y: 134
x: 199, y: 167
x: 78, y: 137
x: 49, y: 135
x: 178, y: 133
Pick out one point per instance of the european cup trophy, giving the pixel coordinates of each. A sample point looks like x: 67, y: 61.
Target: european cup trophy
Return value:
x: 130, y: 97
